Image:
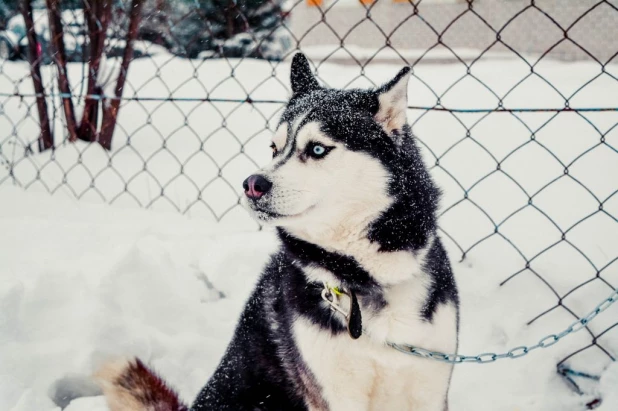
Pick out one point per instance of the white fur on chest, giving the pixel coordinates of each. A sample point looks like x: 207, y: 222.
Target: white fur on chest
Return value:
x: 365, y: 374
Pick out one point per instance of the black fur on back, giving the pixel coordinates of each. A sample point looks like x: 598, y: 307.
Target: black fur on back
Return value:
x: 442, y: 289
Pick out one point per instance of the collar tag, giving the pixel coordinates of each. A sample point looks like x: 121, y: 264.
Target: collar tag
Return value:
x: 355, y: 322
x: 353, y: 315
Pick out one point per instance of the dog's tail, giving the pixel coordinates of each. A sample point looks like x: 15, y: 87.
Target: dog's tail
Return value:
x: 132, y: 386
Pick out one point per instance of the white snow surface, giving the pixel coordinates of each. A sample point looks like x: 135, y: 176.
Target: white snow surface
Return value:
x: 83, y: 282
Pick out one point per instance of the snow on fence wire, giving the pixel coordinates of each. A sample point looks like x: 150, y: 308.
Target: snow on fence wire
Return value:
x: 515, y: 104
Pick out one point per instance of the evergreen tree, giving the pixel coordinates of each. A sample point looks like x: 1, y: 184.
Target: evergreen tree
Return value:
x: 218, y: 28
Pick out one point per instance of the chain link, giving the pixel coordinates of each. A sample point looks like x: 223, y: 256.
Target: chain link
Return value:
x: 516, y: 352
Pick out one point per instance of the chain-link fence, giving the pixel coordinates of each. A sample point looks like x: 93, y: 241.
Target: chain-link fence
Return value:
x: 515, y: 104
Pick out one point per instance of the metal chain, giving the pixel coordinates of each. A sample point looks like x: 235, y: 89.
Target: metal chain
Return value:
x: 516, y: 352
x: 329, y: 295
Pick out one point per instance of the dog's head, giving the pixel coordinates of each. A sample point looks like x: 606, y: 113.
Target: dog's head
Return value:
x: 340, y: 157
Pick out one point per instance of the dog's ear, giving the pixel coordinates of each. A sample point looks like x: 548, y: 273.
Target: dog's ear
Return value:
x: 301, y: 77
x: 393, y: 102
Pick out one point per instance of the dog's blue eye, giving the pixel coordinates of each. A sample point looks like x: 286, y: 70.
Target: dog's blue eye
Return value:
x: 319, y: 150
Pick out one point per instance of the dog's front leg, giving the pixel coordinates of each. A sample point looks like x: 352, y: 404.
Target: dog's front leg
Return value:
x: 340, y: 366
x: 418, y: 384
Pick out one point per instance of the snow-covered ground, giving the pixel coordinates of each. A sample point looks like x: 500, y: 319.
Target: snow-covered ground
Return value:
x: 81, y: 282
x: 86, y: 283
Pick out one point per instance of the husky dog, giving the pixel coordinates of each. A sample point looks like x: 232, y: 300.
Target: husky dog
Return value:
x: 360, y: 265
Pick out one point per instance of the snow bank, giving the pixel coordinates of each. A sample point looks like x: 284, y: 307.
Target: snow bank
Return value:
x: 85, y: 283
x: 609, y: 382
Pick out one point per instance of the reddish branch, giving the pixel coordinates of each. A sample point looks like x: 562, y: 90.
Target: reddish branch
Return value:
x: 110, y: 108
x: 98, y: 14
x: 46, y: 140
x: 57, y: 41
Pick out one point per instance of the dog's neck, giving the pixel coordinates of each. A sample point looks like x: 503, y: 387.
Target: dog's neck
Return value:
x: 362, y: 259
x: 341, y: 231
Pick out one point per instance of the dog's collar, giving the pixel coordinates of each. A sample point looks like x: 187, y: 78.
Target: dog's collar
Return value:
x: 353, y: 315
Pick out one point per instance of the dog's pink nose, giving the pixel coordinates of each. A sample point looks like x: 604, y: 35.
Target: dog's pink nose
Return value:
x: 256, y: 186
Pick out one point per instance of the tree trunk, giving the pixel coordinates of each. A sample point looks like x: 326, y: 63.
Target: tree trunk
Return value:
x: 57, y: 41
x: 98, y: 15
x: 46, y: 140
x: 110, y: 108
x: 229, y: 17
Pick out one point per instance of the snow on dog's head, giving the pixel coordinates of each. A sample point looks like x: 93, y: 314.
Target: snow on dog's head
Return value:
x: 340, y: 157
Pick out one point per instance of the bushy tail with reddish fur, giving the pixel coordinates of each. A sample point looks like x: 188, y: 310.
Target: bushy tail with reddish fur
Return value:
x: 132, y: 386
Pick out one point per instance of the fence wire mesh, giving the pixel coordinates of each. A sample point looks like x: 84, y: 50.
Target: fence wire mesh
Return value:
x: 515, y: 104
